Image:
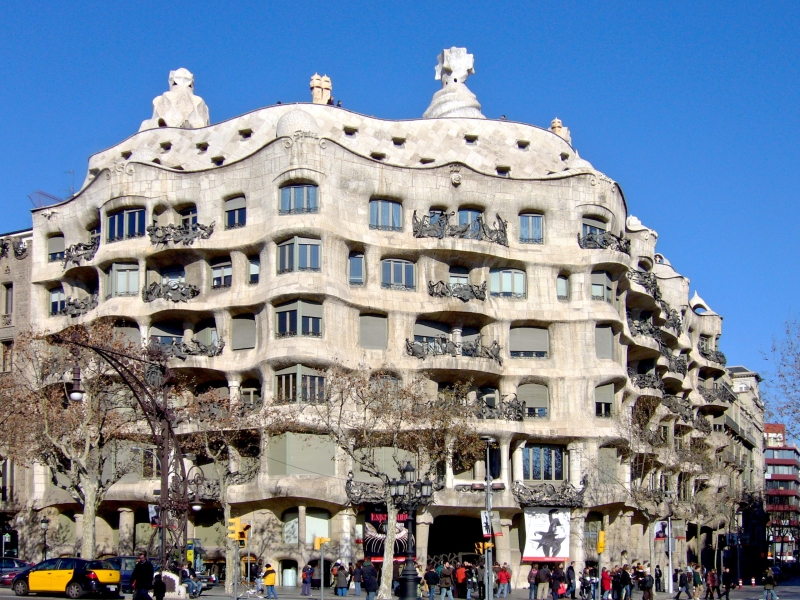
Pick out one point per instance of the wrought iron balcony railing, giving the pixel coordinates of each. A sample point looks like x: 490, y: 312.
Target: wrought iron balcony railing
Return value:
x: 75, y: 307
x: 302, y: 210
x: 179, y: 234
x: 77, y: 252
x: 174, y: 291
x: 528, y: 354
x: 463, y: 291
x: 713, y: 355
x: 679, y: 406
x: 675, y: 364
x: 531, y: 240
x: 643, y: 327
x: 191, y: 348
x: 645, y: 381
x: 508, y: 410
x: 128, y: 236
x: 444, y: 346
x: 441, y: 227
x: 647, y: 280
x: 603, y: 241
x: 674, y: 320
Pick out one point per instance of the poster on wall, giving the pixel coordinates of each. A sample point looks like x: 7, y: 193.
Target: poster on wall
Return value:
x: 546, y: 534
x: 661, y: 531
x: 374, y: 535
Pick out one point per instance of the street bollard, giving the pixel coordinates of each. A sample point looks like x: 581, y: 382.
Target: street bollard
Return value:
x: 740, y: 584
x: 753, y: 582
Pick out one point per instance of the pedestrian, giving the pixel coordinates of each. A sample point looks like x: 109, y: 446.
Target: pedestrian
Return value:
x: 316, y: 578
x: 503, y: 582
x: 690, y: 582
x: 605, y: 584
x: 711, y: 584
x: 646, y: 583
x: 727, y: 583
x: 697, y: 581
x: 431, y: 579
x: 571, y: 580
x: 269, y: 581
x: 260, y: 576
x: 625, y: 583
x: 142, y: 578
x: 659, y: 576
x: 508, y: 583
x: 342, y: 581
x: 543, y: 581
x: 616, y: 583
x: 369, y: 576
x: 471, y: 580
x: 159, y: 588
x: 446, y: 582
x: 769, y: 585
x: 357, y: 578
x: 461, y: 580
x: 557, y: 579
x: 532, y: 582
x: 306, y: 574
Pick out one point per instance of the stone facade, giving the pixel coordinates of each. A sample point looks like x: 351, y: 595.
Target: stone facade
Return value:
x: 456, y: 246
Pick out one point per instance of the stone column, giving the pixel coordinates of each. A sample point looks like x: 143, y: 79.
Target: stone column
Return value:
x: 455, y: 335
x: 448, y: 471
x: 503, y: 543
x: 600, y: 556
x: 576, y: 549
x: 79, y: 533
x: 424, y: 522
x: 126, y: 531
x: 344, y: 524
x: 575, y: 450
x: 505, y: 450
x: 624, y: 535
x: 516, y: 462
x: 301, y: 526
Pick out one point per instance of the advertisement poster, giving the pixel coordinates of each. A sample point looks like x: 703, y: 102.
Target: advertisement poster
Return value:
x: 374, y: 536
x: 661, y: 530
x: 546, y: 534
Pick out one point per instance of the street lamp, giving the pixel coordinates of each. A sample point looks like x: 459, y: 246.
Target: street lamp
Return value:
x: 76, y: 392
x: 487, y: 557
x: 408, y: 494
x: 45, y: 523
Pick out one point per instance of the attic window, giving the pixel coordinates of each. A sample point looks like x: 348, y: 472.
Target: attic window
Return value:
x: 471, y: 138
x: 426, y: 160
x: 523, y: 144
x: 399, y: 141
x: 157, y: 161
x: 126, y: 154
x: 246, y: 133
x: 378, y: 155
x: 503, y: 170
x: 202, y: 146
x: 564, y: 155
x: 350, y: 131
x: 165, y: 146
x: 178, y: 167
x: 218, y: 160
x: 94, y: 171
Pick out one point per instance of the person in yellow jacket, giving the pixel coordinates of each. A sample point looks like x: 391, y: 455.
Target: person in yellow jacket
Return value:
x: 269, y: 581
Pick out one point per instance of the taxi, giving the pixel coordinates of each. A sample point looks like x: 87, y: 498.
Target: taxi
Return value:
x: 75, y: 577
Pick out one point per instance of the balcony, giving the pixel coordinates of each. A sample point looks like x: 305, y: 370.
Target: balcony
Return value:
x: 174, y: 291
x: 463, y: 291
x: 643, y: 327
x: 712, y: 355
x: 679, y: 406
x: 508, y: 410
x: 299, y: 210
x: 720, y: 392
x: 675, y: 364
x: 604, y: 241
x: 444, y: 346
x: 77, y: 252
x: 645, y: 381
x: 191, y: 348
x: 647, y: 280
x: 674, y: 320
x: 75, y: 307
x: 441, y: 228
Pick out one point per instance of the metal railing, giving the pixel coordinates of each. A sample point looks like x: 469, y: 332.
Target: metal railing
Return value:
x: 604, y: 241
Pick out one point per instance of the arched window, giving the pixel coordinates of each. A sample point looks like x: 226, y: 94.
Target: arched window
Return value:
x: 536, y: 400
x: 604, y: 400
x: 55, y: 248
x: 397, y: 274
x: 602, y: 286
x: 58, y: 301
x: 562, y: 287
x: 531, y: 229
x: 386, y: 215
x: 298, y: 199
x: 507, y: 283
x: 355, y: 268
x: 235, y: 212
x: 471, y: 218
x: 127, y: 223
x: 542, y: 462
x: 529, y: 342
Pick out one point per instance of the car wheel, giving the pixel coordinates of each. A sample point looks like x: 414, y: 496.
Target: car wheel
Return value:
x: 21, y: 588
x: 74, y: 590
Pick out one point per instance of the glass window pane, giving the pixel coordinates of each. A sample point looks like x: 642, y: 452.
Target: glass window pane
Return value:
x: 356, y: 271
x: 122, y: 282
x: 525, y: 227
x: 140, y: 222
x: 385, y: 214
x: 526, y: 463
x: 536, y: 227
x: 506, y: 282
x: 312, y: 197
x: 397, y: 275
x: 397, y: 221
x: 519, y: 283
x: 298, y: 197
x: 315, y: 264
x: 302, y: 258
x: 559, y: 466
x: 386, y: 274
x: 373, y: 213
x: 495, y: 281
x: 293, y: 321
x: 409, y: 281
x: 548, y: 463
x: 536, y: 455
x: 281, y: 322
x: 286, y: 199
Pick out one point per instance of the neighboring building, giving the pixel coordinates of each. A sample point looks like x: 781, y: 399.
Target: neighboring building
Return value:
x: 452, y: 246
x: 781, y: 482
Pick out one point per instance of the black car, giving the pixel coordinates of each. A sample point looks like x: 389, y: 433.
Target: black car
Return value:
x: 75, y: 577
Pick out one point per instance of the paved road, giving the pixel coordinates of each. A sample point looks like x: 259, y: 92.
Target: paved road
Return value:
x: 789, y: 590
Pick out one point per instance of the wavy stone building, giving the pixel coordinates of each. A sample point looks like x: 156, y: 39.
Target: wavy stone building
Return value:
x: 277, y: 242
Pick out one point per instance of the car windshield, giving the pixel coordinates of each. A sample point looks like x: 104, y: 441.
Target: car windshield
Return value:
x: 100, y: 565
x: 126, y: 564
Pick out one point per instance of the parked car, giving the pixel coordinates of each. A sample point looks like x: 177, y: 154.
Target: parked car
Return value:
x: 9, y: 568
x: 125, y: 566
x: 208, y: 581
x: 75, y: 577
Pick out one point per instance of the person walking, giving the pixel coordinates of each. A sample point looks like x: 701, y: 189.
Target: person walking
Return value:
x: 342, y: 581
x: 769, y: 585
x: 646, y: 584
x: 269, y: 581
x: 697, y: 581
x: 557, y: 578
x: 503, y: 582
x: 431, y: 580
x: 142, y: 578
x: 711, y: 583
x: 305, y: 575
x: 446, y: 582
x: 532, y: 582
x: 543, y: 581
x: 625, y: 583
x: 682, y: 585
x: 727, y: 583
x: 571, y: 580
x: 605, y: 584
x: 357, y: 579
x: 461, y: 580
x: 659, y: 579
x: 369, y: 576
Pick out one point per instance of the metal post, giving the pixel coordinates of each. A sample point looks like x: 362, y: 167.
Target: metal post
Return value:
x: 322, y: 571
x: 669, y: 547
x: 236, y: 573
x: 408, y: 587
x: 488, y: 578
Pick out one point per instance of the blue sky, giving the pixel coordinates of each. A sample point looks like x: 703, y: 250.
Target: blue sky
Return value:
x: 692, y: 107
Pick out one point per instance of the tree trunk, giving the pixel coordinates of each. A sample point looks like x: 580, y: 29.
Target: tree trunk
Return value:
x: 88, y: 543
x: 231, y: 548
x: 385, y: 590
x: 651, y: 545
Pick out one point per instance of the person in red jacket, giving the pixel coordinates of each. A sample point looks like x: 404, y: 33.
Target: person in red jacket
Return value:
x: 605, y: 584
x: 503, y: 582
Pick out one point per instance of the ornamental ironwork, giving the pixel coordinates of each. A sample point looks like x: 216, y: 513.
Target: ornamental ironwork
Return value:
x: 603, y: 241
x: 77, y: 252
x: 647, y: 280
x: 360, y: 492
x: 179, y: 234
x: 720, y: 392
x: 702, y: 424
x: 19, y: 247
x: 676, y: 364
x: 679, y: 406
x: 192, y: 348
x: 175, y: 291
x: 713, y: 355
x: 75, y: 307
x: 547, y: 494
x: 508, y: 410
x: 477, y: 229
x: 463, y: 291
x: 8, y: 320
x: 643, y: 381
x: 643, y: 327
x: 444, y: 346
x: 674, y: 320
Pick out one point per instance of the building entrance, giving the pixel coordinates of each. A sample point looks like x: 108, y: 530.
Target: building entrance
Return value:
x: 453, y: 538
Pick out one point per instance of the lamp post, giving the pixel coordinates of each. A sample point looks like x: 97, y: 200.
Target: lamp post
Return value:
x: 488, y: 583
x: 45, y: 523
x: 409, y: 494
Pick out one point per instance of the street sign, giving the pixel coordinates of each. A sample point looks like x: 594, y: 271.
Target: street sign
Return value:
x: 486, y: 523
x: 6, y: 537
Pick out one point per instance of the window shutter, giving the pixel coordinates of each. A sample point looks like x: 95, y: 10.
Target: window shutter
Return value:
x: 130, y: 331
x: 55, y: 244
x: 373, y: 331
x: 431, y: 329
x: 604, y: 341
x: 244, y: 332
x: 167, y: 328
x: 287, y: 306
x: 235, y: 203
x: 607, y: 465
x: 604, y: 393
x: 529, y: 339
x: 600, y: 278
x: 592, y: 222
x: 534, y: 395
x: 311, y: 309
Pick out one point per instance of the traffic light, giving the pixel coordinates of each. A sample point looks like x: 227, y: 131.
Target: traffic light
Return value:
x: 601, y: 542
x: 234, y: 527
x: 318, y: 541
x: 243, y: 534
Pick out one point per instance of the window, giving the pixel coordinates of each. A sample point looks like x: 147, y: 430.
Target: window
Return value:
x: 299, y: 254
x: 235, y: 213
x: 544, y: 463
x: 173, y: 275
x: 604, y: 400
x: 250, y: 394
x: 535, y: 398
x: 166, y: 333
x: 705, y: 343
x: 206, y: 333
x: 607, y: 465
x: 397, y: 274
x: 604, y: 341
x: 58, y: 301
x: 529, y: 342
x: 244, y: 332
x: 530, y: 229
x: 8, y: 354
x: 55, y: 248
x: 602, y: 286
x: 562, y: 287
x: 127, y: 223
x: 308, y: 315
x: 8, y: 290
x: 386, y: 215
x: 296, y: 199
x: 311, y: 387
x: 355, y: 268
x: 129, y: 331
x: 507, y: 283
x: 472, y: 218
x: 189, y: 217
x: 150, y: 463
x: 432, y: 335
x: 123, y: 280
x: 592, y: 226
x: 459, y: 276
x: 373, y: 331
x: 221, y: 274
x: 255, y: 270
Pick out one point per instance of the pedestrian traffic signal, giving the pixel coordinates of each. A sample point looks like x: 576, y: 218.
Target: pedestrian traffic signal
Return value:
x: 318, y: 541
x: 243, y: 534
x: 601, y: 542
x: 234, y: 527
